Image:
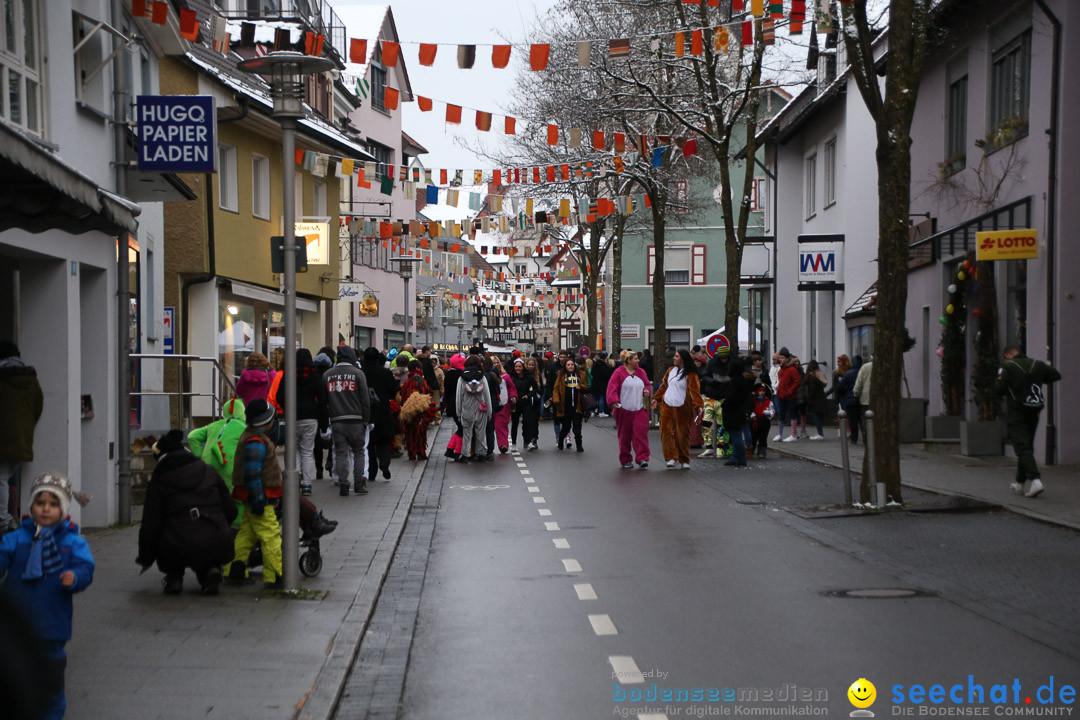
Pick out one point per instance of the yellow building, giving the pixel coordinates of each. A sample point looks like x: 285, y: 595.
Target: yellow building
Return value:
x: 226, y: 298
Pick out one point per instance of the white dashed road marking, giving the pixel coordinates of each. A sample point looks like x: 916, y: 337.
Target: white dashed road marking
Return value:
x: 523, y: 472
x: 602, y: 625
x: 561, y: 543
x: 539, y: 500
x: 551, y: 526
x: 544, y: 512
x: 529, y: 480
x: 533, y: 488
x: 626, y: 670
x: 585, y: 592
x: 571, y: 565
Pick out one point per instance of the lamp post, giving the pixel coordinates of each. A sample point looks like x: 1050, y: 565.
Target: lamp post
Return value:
x: 405, y: 264
x: 286, y: 70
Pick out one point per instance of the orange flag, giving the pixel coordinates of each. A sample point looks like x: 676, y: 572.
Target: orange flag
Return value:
x: 427, y: 53
x: 680, y: 44
x: 483, y: 120
x: 358, y: 51
x: 538, y: 56
x: 390, y: 52
x: 500, y: 56
x: 453, y: 114
x: 598, y: 140
x: 424, y: 103
x: 390, y: 98
x: 510, y: 126
x: 553, y: 134
x: 620, y: 142
x: 697, y: 43
x: 189, y: 25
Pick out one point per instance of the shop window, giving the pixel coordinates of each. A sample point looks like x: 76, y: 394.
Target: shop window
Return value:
x: 236, y: 336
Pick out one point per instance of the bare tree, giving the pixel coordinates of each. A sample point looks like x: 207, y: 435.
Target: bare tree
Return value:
x: 892, y: 112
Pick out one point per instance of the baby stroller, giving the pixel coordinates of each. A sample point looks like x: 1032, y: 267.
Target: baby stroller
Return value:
x: 316, y: 527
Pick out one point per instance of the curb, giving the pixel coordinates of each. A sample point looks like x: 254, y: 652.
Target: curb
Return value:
x: 326, y: 692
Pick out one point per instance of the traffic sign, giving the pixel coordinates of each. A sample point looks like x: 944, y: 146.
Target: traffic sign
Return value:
x: 584, y: 351
x: 715, y: 343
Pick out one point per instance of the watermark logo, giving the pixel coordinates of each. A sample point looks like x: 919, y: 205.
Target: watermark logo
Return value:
x: 862, y: 695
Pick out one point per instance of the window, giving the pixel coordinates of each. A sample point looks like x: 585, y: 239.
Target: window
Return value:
x: 956, y: 117
x: 318, y: 204
x: 227, y: 190
x: 1010, y: 89
x: 260, y: 187
x: 378, y: 88
x: 830, y: 172
x: 20, y: 78
x: 384, y: 157
x: 679, y: 337
x: 811, y: 186
x: 317, y: 93
x: 758, y: 197
x: 683, y: 265
x: 454, y: 263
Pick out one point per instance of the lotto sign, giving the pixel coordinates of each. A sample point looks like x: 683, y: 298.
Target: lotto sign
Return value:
x: 176, y: 133
x: 584, y: 351
x: 715, y: 343
x: 1007, y: 245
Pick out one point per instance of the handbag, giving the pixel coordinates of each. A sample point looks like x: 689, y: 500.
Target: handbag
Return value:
x: 588, y: 402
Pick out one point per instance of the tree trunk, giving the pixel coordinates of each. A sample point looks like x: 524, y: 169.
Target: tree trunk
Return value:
x: 615, y: 341
x: 894, y: 199
x: 658, y: 291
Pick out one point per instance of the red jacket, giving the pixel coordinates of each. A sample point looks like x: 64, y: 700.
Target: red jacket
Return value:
x: 789, y: 383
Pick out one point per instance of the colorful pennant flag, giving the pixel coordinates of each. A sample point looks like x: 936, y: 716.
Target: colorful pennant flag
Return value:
x: 619, y: 47
x: 423, y: 103
x: 466, y: 56
x: 483, y: 121
x: 510, y: 128
x: 427, y: 53
x: 358, y: 51
x: 161, y: 13
x: 538, y: 56
x: 453, y: 114
x: 390, y: 52
x: 390, y: 98
x: 584, y: 53
x: 553, y: 134
x: 189, y: 25
x: 500, y: 56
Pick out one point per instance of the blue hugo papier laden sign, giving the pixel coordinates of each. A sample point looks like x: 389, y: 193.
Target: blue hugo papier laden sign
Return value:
x: 176, y: 133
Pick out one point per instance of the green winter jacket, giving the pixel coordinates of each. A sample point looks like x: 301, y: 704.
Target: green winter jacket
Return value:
x: 215, y: 444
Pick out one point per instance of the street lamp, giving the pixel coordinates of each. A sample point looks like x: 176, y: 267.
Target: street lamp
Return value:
x: 286, y: 70
x: 405, y: 265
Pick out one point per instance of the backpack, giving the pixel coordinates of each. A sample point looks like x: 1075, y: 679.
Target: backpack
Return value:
x: 1034, y: 399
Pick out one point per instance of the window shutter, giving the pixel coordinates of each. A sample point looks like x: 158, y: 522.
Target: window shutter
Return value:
x: 650, y: 265
x: 697, y: 268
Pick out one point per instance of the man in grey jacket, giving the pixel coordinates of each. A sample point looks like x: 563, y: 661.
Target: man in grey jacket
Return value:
x: 345, y: 392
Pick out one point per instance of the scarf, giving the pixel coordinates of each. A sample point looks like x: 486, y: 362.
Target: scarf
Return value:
x: 44, y: 555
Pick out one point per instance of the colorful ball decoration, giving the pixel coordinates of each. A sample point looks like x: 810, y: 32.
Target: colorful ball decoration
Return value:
x: 942, y: 319
x: 961, y: 276
x: 976, y: 312
x: 952, y: 289
x: 950, y: 309
x: 941, y: 351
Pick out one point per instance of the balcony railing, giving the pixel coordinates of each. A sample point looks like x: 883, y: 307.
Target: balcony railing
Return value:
x: 958, y: 239
x: 316, y: 15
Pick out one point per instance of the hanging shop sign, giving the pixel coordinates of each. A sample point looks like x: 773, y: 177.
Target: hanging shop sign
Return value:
x: 176, y: 133
x: 821, y: 258
x: 1007, y: 245
x: 316, y: 234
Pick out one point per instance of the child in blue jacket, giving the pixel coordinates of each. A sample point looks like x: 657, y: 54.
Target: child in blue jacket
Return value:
x: 47, y: 562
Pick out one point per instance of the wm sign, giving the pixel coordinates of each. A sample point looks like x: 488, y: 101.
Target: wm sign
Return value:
x: 817, y: 266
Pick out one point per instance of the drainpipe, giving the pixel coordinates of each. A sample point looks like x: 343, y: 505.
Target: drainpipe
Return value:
x: 774, y: 176
x: 123, y: 305
x: 1051, y: 226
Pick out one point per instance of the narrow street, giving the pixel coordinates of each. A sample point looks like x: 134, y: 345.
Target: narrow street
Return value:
x: 552, y: 574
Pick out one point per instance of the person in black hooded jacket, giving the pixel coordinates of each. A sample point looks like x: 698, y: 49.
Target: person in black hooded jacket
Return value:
x: 310, y: 414
x: 736, y: 408
x: 186, y: 518
x: 385, y: 387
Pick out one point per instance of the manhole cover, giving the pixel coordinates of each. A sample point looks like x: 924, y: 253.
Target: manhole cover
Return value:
x: 879, y: 593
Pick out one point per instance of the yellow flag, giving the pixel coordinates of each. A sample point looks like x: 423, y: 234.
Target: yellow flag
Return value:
x: 564, y: 208
x: 528, y: 206
x: 757, y: 7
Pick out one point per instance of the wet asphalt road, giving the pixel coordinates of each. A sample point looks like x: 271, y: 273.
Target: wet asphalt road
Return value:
x: 664, y: 572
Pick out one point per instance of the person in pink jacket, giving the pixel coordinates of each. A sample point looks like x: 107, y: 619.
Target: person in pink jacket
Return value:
x: 508, y: 398
x: 628, y: 394
x: 256, y: 379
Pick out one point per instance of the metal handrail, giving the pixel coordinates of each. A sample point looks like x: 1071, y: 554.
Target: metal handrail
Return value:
x: 219, y: 375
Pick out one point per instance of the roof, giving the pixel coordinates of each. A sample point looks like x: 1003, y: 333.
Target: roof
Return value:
x: 865, y: 305
x: 224, y: 70
x: 408, y: 139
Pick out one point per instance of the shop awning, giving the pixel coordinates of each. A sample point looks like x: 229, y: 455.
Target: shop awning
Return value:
x: 38, y: 192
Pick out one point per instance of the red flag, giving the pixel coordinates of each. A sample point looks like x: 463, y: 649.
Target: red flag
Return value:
x: 538, y: 56
x: 390, y: 52
x: 299, y: 155
x: 427, y: 53
x: 189, y: 25
x: 551, y: 173
x: 161, y: 12
x: 598, y: 140
x: 358, y: 51
x: 138, y: 8
x: 689, y: 148
x: 500, y: 56
x: 510, y: 123
x: 483, y: 121
x: 620, y: 142
x: 737, y: 5
x: 496, y: 177
x: 453, y: 114
x: 536, y: 174
x: 553, y: 134
x: 423, y: 103
x: 390, y: 98
x: 697, y: 43
x: 564, y: 170
x: 747, y: 33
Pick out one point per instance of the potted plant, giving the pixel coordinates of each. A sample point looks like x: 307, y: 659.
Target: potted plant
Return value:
x: 912, y: 410
x: 953, y: 353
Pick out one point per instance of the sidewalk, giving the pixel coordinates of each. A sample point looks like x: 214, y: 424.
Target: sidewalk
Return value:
x: 982, y: 478
x: 139, y: 654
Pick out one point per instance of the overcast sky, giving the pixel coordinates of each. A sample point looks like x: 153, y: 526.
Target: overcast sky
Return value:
x: 466, y: 22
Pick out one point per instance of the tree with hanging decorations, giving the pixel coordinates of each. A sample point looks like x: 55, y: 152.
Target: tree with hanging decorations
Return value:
x: 891, y: 108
